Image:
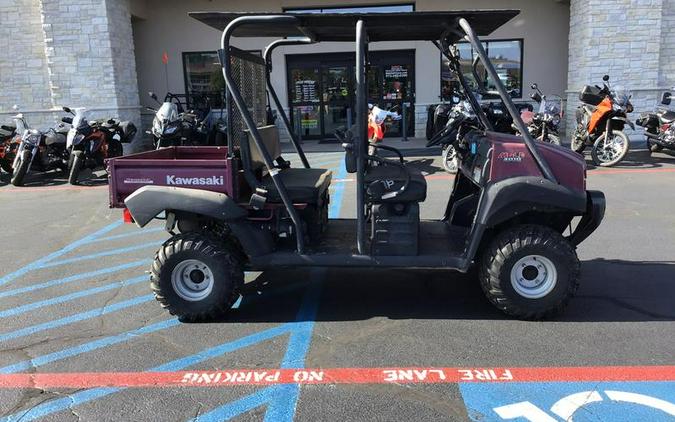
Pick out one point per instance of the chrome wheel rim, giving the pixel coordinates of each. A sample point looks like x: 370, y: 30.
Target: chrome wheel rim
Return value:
x: 610, y: 149
x: 192, y: 280
x: 451, y: 160
x: 534, y: 276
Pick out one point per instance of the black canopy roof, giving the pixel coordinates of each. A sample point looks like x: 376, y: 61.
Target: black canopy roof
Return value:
x: 423, y: 26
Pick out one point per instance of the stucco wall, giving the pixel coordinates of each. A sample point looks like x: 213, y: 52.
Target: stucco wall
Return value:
x: 543, y: 24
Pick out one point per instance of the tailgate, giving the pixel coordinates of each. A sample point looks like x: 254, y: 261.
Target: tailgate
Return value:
x: 207, y: 168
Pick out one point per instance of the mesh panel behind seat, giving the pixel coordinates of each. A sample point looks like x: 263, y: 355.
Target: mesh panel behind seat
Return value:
x: 248, y: 71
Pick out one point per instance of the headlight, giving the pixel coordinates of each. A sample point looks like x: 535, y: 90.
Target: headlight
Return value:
x: 33, y: 138
x: 170, y: 130
x: 78, y: 138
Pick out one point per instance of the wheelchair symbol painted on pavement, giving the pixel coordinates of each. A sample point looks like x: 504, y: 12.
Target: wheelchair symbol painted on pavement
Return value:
x: 568, y: 405
x: 570, y: 401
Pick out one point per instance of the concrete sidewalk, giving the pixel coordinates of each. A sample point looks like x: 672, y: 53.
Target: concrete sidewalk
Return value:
x: 316, y: 146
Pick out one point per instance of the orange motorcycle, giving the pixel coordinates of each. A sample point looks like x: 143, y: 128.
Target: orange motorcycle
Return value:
x: 600, y: 123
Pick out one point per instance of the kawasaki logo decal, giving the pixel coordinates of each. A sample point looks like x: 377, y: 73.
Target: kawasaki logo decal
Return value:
x: 195, y: 181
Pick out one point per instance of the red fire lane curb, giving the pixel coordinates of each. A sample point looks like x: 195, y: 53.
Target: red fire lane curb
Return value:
x: 234, y: 377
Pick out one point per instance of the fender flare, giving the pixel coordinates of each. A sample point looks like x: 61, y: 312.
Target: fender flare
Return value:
x: 149, y: 201
x: 509, y: 198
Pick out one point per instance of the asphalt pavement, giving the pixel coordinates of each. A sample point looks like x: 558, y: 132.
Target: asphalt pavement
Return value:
x: 83, y: 339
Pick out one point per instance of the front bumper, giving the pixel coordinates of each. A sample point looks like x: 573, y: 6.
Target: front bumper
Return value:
x: 595, y: 212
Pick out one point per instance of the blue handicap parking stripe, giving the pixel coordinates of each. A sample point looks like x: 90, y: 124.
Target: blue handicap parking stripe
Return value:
x: 82, y: 316
x: 88, y: 347
x: 110, y: 252
x: 75, y: 399
x: 139, y: 232
x: 40, y: 262
x: 336, y: 196
x: 71, y: 296
x: 76, y: 277
x: 561, y: 401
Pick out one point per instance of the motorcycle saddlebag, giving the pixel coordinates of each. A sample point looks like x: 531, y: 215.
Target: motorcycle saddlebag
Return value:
x: 127, y: 131
x: 590, y: 95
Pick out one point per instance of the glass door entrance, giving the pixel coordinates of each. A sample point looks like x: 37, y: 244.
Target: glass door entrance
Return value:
x: 338, y: 96
x: 321, y: 90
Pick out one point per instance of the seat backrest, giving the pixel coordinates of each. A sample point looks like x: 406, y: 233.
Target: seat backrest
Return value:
x: 270, y: 138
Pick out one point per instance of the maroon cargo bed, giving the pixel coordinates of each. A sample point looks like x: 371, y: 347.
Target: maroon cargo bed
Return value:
x: 206, y: 168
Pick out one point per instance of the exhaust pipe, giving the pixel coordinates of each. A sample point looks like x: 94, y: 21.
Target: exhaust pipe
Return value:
x: 652, y: 136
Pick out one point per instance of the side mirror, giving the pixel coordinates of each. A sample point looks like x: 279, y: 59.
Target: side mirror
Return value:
x: 534, y: 86
x: 15, y: 107
x: 605, y: 78
x: 68, y: 110
x: 153, y: 96
x: 666, y: 98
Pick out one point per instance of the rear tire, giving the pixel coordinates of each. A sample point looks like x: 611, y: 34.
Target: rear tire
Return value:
x: 6, y: 165
x: 600, y: 150
x: 22, y: 168
x: 654, y: 147
x: 76, y: 163
x: 529, y: 272
x: 196, y: 277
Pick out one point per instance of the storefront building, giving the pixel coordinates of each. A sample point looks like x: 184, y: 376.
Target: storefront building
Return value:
x: 117, y: 50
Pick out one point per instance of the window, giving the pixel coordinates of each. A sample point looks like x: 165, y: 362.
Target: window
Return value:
x: 362, y: 9
x: 203, y: 73
x: 507, y: 58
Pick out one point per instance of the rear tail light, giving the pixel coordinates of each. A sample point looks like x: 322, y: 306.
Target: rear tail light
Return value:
x: 126, y: 216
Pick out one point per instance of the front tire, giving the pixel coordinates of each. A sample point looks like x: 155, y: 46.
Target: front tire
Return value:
x: 607, y: 154
x: 577, y: 143
x: 76, y: 164
x: 196, y: 277
x: 530, y: 272
x: 550, y: 138
x: 450, y: 159
x: 22, y: 168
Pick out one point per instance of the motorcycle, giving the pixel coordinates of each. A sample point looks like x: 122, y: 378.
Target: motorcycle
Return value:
x: 461, y: 119
x: 173, y: 126
x: 7, y: 148
x: 659, y: 127
x: 543, y: 125
x: 39, y: 150
x: 600, y: 123
x: 90, y: 143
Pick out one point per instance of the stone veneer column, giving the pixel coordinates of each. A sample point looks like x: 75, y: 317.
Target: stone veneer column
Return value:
x: 625, y: 39
x: 81, y: 54
x: 23, y: 68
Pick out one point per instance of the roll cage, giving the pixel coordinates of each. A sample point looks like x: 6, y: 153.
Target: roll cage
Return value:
x: 443, y: 29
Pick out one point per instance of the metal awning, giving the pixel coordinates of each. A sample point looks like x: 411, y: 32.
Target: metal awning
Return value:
x: 400, y: 26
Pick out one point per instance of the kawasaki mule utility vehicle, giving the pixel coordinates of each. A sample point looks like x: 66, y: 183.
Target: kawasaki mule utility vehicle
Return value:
x: 243, y: 207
